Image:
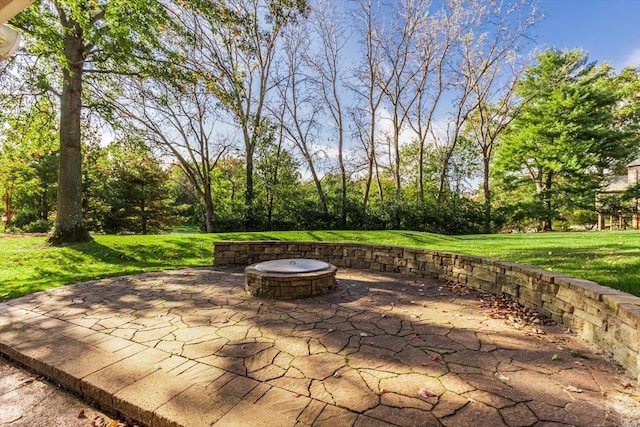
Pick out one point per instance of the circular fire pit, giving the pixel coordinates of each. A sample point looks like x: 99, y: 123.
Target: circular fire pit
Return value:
x: 290, y: 278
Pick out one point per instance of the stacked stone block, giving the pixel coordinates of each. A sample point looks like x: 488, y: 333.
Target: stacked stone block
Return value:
x: 604, y: 316
x: 289, y: 286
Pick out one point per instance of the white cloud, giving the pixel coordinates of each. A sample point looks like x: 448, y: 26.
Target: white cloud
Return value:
x: 633, y: 59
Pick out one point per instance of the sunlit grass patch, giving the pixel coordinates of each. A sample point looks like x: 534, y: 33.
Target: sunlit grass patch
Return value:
x: 28, y: 265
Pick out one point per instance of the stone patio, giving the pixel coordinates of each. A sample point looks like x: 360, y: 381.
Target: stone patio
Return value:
x: 191, y: 348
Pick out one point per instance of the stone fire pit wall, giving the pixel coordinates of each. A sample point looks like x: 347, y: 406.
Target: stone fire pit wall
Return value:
x: 601, y: 315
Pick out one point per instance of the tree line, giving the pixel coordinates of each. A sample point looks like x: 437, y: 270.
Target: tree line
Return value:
x: 278, y: 114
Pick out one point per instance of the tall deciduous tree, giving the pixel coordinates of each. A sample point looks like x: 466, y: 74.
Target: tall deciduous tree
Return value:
x: 181, y: 120
x: 397, y: 71
x: 330, y: 28
x: 365, y: 116
x: 87, y: 39
x: 238, y: 46
x: 299, y: 105
x: 565, y: 131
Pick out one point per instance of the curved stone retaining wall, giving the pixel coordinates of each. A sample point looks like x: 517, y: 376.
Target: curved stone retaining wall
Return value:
x: 604, y: 316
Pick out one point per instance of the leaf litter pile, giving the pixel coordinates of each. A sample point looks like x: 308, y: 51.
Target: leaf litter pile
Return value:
x: 513, y: 313
x: 101, y: 422
x: 505, y: 307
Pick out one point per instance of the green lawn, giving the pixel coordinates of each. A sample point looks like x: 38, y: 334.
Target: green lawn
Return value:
x: 27, y: 265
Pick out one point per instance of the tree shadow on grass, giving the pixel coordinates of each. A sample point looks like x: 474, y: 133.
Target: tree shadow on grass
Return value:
x: 93, y: 260
x: 590, y: 264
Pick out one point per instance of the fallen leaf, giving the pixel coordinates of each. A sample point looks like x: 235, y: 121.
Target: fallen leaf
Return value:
x: 554, y: 357
x: 578, y: 353
x: 424, y: 393
x: 28, y: 381
x: 296, y: 395
x: 574, y: 389
x: 436, y: 358
x: 503, y: 378
x: 626, y: 384
x: 98, y: 422
x: 82, y: 415
x: 364, y: 334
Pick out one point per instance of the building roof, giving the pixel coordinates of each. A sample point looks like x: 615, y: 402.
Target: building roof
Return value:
x: 617, y: 184
x: 636, y: 162
x: 10, y: 8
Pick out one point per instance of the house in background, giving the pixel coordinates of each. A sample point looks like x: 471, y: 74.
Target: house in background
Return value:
x: 10, y: 38
x: 611, y: 204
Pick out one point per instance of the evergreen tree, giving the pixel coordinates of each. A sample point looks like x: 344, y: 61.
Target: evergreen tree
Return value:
x: 140, y: 198
x: 565, y: 132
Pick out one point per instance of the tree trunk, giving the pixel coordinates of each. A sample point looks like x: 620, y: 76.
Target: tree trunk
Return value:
x: 208, y: 206
x: 69, y: 226
x: 8, y: 209
x: 547, y: 221
x: 343, y: 177
x: 442, y: 182
x: 249, y: 215
x: 274, y: 180
x: 487, y: 195
x: 143, y: 210
x: 396, y: 149
x: 367, y: 185
x: 421, y: 171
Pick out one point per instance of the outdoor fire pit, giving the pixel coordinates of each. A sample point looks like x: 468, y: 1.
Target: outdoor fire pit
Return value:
x: 290, y: 278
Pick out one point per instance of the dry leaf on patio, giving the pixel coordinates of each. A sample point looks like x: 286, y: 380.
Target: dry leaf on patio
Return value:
x: 424, y: 393
x: 82, y: 415
x: 574, y: 389
x: 28, y: 381
x: 503, y: 378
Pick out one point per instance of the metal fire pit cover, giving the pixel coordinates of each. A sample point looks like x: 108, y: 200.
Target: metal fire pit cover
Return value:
x: 292, y: 266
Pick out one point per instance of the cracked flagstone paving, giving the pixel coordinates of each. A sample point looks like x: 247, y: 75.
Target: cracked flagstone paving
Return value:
x: 190, y: 347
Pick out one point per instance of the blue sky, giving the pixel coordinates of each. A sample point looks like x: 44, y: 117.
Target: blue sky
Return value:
x: 609, y: 30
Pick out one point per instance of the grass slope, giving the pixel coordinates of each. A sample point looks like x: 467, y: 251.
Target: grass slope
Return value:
x: 28, y: 265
